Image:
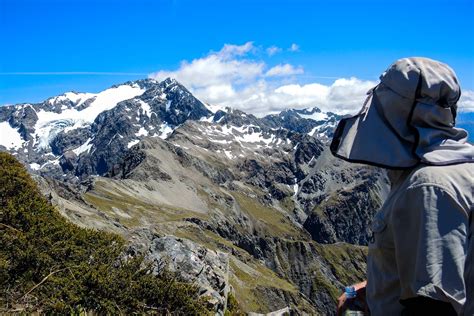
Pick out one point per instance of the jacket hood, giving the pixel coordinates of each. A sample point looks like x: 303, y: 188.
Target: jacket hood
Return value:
x: 407, y: 119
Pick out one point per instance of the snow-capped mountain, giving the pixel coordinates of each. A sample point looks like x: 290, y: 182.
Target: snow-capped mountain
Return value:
x: 77, y: 132
x: 81, y: 134
x: 310, y: 121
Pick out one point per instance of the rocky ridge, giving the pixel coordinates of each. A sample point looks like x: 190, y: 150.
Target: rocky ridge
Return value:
x: 257, y: 206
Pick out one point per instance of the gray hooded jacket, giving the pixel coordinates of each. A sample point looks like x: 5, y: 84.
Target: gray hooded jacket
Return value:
x: 407, y: 119
x: 420, y: 233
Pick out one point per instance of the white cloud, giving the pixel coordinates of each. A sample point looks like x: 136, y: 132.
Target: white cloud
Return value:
x: 466, y: 102
x: 230, y: 77
x: 230, y: 50
x: 221, y: 68
x: 272, y: 50
x: 342, y: 96
x: 294, y: 48
x: 284, y: 70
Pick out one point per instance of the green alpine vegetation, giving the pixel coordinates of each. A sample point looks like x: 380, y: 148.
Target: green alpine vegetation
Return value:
x: 50, y: 265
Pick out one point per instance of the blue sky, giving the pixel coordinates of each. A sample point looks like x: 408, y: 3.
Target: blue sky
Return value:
x: 132, y: 39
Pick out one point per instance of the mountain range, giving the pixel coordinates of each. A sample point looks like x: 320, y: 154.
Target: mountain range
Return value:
x: 254, y: 206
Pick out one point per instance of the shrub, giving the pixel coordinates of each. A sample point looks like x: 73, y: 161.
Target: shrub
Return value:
x: 51, y: 265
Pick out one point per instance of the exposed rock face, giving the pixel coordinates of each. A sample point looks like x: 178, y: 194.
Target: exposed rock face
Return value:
x: 196, y: 264
x: 229, y: 200
x: 346, y: 214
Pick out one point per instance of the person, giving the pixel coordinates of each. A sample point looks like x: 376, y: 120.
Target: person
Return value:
x: 418, y: 243
x: 469, y: 271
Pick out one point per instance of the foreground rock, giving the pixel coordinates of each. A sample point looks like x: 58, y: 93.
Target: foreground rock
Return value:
x: 195, y: 264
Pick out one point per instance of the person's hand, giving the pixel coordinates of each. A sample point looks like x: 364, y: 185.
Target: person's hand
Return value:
x: 360, y: 289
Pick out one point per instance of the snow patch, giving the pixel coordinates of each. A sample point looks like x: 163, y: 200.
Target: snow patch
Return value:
x: 74, y: 126
x: 243, y: 134
x: 295, y: 187
x: 132, y: 143
x: 77, y: 98
x: 142, y: 132
x: 35, y: 166
x: 49, y: 124
x: 207, y: 119
x: 165, y: 130
x: 145, y: 107
x: 317, y: 116
x: 214, y: 108
x: 9, y: 136
x: 86, y: 147
x: 311, y: 133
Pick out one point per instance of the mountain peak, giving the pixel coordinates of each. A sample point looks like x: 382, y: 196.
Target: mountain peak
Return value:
x: 169, y: 81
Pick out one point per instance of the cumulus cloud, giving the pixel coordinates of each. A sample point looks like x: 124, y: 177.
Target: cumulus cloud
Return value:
x: 284, y: 70
x: 230, y: 50
x: 216, y: 69
x: 230, y: 77
x: 342, y: 96
x: 466, y: 102
x: 272, y: 50
x: 294, y: 48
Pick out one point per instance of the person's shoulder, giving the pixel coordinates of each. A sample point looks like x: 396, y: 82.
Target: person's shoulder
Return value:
x: 460, y: 174
x: 453, y: 179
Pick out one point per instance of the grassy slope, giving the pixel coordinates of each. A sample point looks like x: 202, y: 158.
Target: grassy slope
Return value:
x: 49, y: 264
x: 248, y: 275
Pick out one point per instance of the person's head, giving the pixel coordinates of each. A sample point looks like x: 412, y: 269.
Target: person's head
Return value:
x: 407, y: 119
